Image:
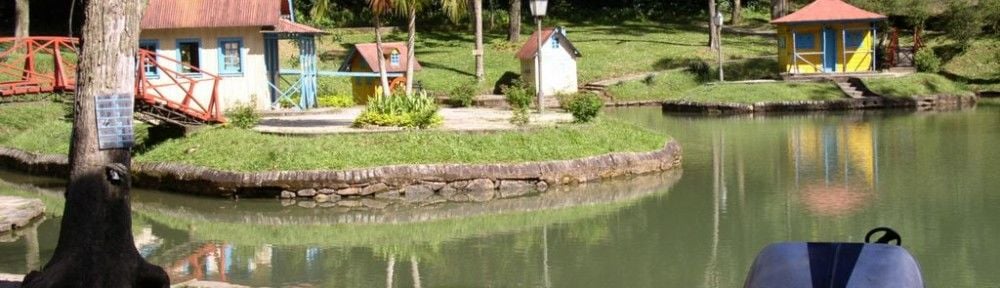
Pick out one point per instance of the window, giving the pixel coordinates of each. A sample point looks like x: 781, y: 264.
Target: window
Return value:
x: 150, y: 67
x: 805, y: 41
x: 854, y: 39
x: 188, y: 52
x: 555, y: 42
x: 394, y: 58
x: 231, y: 56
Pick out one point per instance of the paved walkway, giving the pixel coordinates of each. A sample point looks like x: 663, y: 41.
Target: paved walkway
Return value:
x: 16, y: 212
x: 455, y: 119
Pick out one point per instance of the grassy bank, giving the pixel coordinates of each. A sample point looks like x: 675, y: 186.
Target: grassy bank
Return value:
x: 40, y: 127
x: 243, y: 150
x: 920, y: 84
x: 763, y: 92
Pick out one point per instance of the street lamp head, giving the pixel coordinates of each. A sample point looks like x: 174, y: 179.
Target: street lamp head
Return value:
x: 538, y: 7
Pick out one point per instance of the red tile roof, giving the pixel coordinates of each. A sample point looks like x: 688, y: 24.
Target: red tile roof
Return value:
x: 828, y: 10
x: 286, y: 26
x: 167, y: 14
x: 368, y: 52
x: 530, y: 48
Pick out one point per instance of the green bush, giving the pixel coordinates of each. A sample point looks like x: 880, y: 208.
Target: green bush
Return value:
x: 927, y: 61
x: 336, y: 101
x: 585, y: 107
x: 521, y: 117
x: 243, y: 116
x: 518, y: 95
x: 464, y: 94
x: 399, y: 110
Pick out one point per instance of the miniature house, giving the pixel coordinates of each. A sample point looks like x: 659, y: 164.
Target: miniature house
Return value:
x: 827, y: 36
x: 234, y: 41
x: 558, y: 62
x: 361, y: 65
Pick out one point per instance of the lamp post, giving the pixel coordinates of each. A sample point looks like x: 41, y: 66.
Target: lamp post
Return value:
x: 718, y: 37
x: 538, y: 9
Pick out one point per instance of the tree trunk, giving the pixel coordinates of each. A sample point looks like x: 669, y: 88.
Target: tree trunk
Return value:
x: 480, y: 63
x: 411, y: 50
x: 23, y: 19
x: 737, y: 12
x: 712, y: 41
x: 95, y: 246
x: 779, y: 8
x: 386, y: 90
x: 514, y: 27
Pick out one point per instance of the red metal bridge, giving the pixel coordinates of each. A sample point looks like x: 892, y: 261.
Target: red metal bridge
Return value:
x: 37, y: 65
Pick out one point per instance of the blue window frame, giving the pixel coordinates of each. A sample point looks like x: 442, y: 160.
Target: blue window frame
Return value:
x: 189, y: 55
x: 231, y: 56
x: 853, y: 39
x: 394, y: 57
x: 555, y: 42
x: 151, y: 46
x: 805, y: 41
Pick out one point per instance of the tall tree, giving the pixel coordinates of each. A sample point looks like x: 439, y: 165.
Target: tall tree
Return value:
x: 779, y: 8
x: 410, y: 7
x: 514, y: 27
x: 712, y: 27
x: 380, y: 7
x: 21, y: 30
x: 480, y: 61
x: 737, y: 12
x: 95, y: 246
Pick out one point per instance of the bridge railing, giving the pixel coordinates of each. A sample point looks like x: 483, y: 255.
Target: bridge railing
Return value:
x: 21, y: 63
x: 193, y: 92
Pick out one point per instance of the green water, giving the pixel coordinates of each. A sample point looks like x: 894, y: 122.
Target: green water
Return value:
x: 747, y: 182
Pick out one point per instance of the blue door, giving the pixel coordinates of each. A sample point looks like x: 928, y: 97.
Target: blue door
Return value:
x: 829, y: 50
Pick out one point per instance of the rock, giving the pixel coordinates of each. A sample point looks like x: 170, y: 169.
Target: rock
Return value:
x: 374, y: 204
x: 448, y: 192
x: 434, y: 199
x: 542, y: 186
x: 391, y: 195
x: 374, y: 189
x: 418, y: 193
x: 352, y: 191
x: 433, y: 185
x: 481, y: 195
x: 458, y: 185
x: 320, y: 198
x: 287, y: 195
x: 327, y: 191
x: 510, y: 188
x: 287, y: 202
x: 307, y: 204
x: 480, y: 184
x: 307, y: 193
x: 350, y: 203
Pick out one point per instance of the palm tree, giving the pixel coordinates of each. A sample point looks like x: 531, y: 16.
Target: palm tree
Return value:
x: 455, y: 9
x: 380, y: 7
x: 410, y: 7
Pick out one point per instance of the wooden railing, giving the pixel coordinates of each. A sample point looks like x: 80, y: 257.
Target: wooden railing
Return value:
x: 20, y: 62
x: 164, y: 87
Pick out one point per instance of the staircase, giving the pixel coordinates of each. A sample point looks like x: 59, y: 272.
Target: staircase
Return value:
x: 855, y: 88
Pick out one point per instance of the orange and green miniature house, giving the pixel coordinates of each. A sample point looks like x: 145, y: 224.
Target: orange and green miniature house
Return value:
x: 828, y: 36
x: 361, y: 65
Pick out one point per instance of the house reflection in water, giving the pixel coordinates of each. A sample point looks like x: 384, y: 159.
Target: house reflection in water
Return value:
x: 836, y: 167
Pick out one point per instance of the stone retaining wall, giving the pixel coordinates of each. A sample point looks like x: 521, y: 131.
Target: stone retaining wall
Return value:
x: 418, y: 183
x: 927, y: 102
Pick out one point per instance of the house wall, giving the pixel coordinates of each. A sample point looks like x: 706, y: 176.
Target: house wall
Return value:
x: 250, y: 86
x: 559, y: 71
x: 857, y: 59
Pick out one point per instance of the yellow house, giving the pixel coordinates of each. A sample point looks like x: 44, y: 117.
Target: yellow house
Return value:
x: 828, y: 36
x: 361, y: 65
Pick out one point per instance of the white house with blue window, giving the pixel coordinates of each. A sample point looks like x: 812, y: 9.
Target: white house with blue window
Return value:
x: 558, y: 55
x: 236, y: 40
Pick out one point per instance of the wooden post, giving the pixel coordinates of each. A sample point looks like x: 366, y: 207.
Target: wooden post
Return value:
x: 538, y: 69
x: 795, y: 52
x: 843, y: 44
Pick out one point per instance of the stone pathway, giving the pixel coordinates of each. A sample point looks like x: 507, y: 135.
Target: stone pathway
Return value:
x: 455, y: 119
x: 16, y: 212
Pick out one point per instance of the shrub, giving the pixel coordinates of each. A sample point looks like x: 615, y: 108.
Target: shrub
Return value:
x: 585, y: 107
x: 399, y: 110
x: 521, y: 117
x: 336, y: 101
x: 464, y: 94
x: 243, y: 116
x: 518, y: 95
x: 927, y: 61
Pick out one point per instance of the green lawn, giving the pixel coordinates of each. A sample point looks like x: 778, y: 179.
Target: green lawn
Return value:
x: 447, y: 57
x: 763, y: 92
x: 219, y: 147
x: 664, y: 86
x: 35, y: 126
x: 977, y: 65
x: 920, y: 84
